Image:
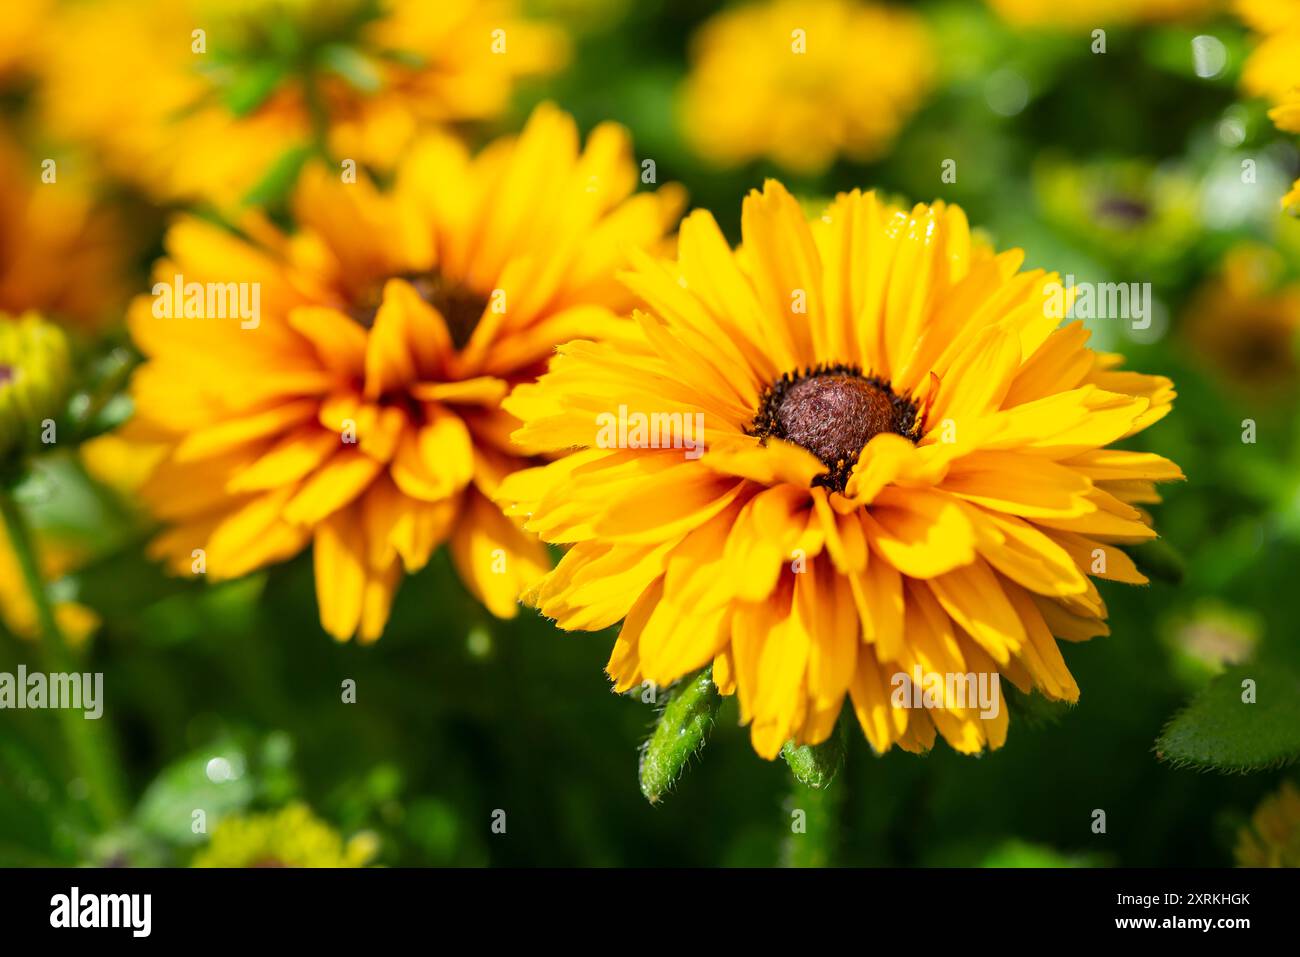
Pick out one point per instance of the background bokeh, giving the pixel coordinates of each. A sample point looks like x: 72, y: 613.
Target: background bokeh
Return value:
x: 1125, y: 165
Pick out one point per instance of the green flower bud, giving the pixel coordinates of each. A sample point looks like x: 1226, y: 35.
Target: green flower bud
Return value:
x: 681, y: 733
x: 35, y: 374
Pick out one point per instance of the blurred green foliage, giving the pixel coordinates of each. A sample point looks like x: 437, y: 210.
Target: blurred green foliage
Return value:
x: 458, y: 716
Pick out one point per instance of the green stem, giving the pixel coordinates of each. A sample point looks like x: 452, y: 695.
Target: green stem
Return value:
x: 87, y: 743
x: 814, y: 822
x: 816, y: 801
x: 113, y: 382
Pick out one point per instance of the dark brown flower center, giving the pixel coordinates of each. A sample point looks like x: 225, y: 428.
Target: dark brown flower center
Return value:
x: 1126, y: 211
x: 461, y: 308
x: 7, y: 373
x: 1257, y: 352
x: 833, y: 411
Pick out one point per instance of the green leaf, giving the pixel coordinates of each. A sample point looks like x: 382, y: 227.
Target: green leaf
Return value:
x: 1219, y: 730
x: 252, y: 84
x: 815, y: 765
x: 276, y: 183
x: 1018, y: 853
x: 680, y: 733
x: 353, y: 66
x: 167, y: 809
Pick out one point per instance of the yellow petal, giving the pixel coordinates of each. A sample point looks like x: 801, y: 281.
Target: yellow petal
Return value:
x: 336, y: 483
x: 436, y: 460
x: 921, y: 533
x: 338, y: 558
x: 975, y: 599
x: 495, y: 559
x: 290, y: 459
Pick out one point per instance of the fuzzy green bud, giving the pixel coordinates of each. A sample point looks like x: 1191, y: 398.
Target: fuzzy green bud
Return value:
x: 35, y: 375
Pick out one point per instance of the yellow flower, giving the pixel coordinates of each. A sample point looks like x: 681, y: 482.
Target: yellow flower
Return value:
x: 1088, y: 14
x: 472, y: 54
x: 362, y: 412
x: 1272, y: 70
x: 18, y: 29
x: 188, y: 116
x: 1272, y: 839
x: 1291, y: 201
x: 1244, y: 324
x: 904, y: 470
x: 1268, y: 16
x: 289, y: 837
x: 60, y: 251
x: 802, y: 81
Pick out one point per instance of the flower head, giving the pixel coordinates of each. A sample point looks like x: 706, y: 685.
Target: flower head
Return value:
x: 60, y: 250
x: 1272, y: 69
x: 1089, y: 14
x: 904, y: 469
x: 290, y: 837
x: 1272, y: 839
x: 1244, y: 321
x: 200, y: 99
x: 19, y: 29
x: 802, y: 81
x: 351, y: 396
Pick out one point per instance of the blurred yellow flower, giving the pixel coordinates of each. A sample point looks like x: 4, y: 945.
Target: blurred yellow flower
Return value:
x: 876, y: 456
x: 61, y: 255
x: 118, y: 463
x: 1087, y: 14
x: 1272, y: 839
x: 1243, y: 323
x: 61, y: 252
x: 290, y: 837
x: 803, y: 81
x: 1272, y: 70
x: 187, y: 99
x: 19, y: 28
x: 1268, y: 16
x: 360, y: 409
